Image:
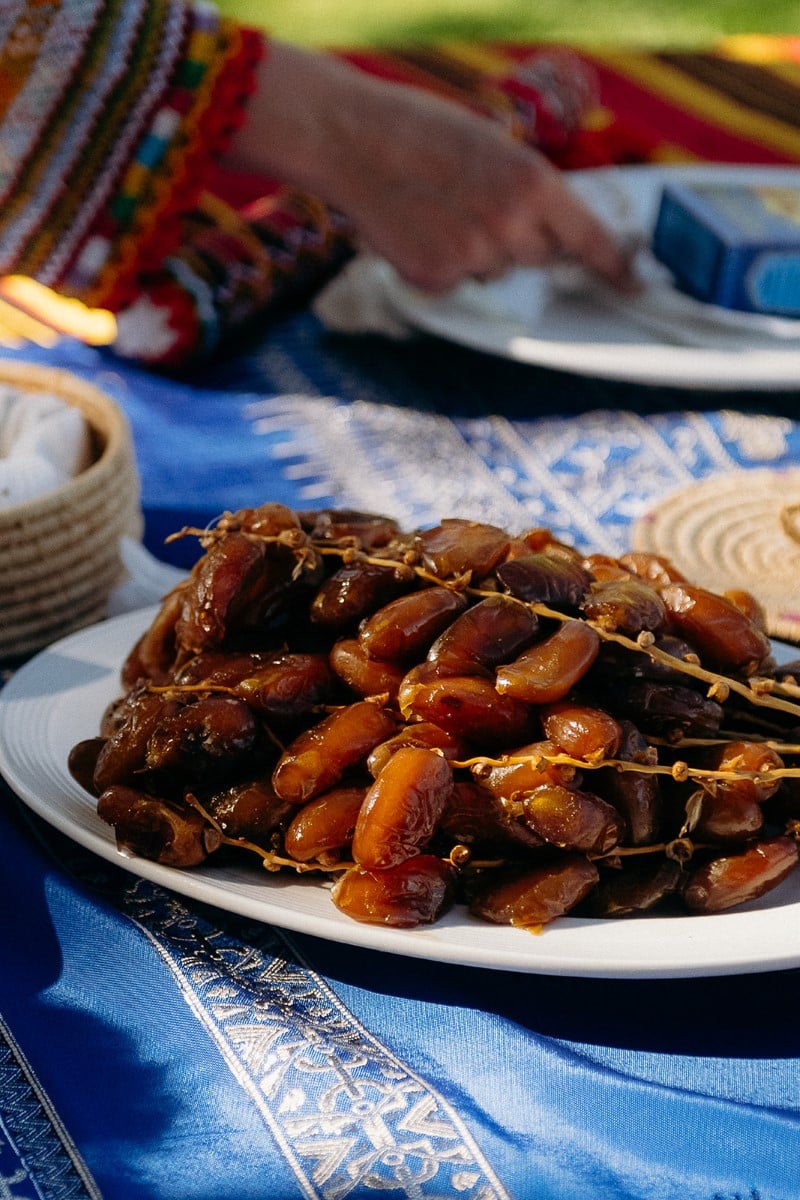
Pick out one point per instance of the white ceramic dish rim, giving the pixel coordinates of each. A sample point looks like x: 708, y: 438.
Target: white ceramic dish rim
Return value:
x: 598, y: 335
x: 57, y: 699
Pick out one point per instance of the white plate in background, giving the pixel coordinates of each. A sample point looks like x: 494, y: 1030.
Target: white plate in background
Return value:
x: 661, y: 337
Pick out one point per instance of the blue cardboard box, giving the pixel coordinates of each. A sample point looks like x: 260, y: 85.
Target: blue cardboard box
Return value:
x: 736, y: 245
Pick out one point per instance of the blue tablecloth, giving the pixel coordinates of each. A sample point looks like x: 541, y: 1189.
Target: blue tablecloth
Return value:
x: 155, y: 1049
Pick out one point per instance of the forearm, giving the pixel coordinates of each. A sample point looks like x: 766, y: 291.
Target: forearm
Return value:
x: 438, y: 190
x: 307, y: 122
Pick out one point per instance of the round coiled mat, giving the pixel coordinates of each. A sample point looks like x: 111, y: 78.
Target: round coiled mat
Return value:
x: 731, y: 531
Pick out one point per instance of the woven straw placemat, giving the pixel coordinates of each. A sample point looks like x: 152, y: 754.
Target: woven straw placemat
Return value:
x: 59, y: 553
x: 736, y: 530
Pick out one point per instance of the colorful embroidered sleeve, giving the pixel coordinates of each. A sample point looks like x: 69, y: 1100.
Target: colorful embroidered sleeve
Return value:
x: 111, y: 114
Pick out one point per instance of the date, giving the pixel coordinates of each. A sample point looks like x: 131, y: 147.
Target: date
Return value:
x: 321, y: 756
x: 402, y: 808
x: 413, y: 892
x: 454, y: 714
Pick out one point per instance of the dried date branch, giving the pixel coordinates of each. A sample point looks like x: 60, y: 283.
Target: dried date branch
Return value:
x: 759, y: 691
x: 723, y: 684
x: 459, y: 857
x: 291, y: 539
x: 271, y: 861
x: 724, y: 737
x: 679, y: 771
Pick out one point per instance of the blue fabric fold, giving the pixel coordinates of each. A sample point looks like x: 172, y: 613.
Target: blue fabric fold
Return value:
x: 192, y: 1054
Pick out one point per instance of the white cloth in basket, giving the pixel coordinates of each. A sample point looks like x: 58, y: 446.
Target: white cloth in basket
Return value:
x: 44, y: 442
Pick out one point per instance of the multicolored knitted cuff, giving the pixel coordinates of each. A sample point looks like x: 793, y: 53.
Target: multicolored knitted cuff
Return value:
x: 143, y: 97
x: 230, y: 270
x: 544, y: 99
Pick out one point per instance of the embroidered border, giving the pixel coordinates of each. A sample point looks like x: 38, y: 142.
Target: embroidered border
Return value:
x: 65, y: 37
x: 350, y: 1117
x: 38, y: 1160
x: 170, y: 33
x: 84, y: 111
x: 587, y: 476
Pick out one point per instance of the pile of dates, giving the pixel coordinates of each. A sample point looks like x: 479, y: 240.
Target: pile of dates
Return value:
x: 454, y: 715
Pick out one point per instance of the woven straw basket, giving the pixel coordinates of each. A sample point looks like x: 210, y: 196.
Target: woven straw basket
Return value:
x: 59, y: 553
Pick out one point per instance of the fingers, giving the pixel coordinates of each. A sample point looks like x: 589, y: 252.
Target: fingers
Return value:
x: 503, y: 205
x: 583, y: 238
x: 538, y: 220
x: 438, y: 249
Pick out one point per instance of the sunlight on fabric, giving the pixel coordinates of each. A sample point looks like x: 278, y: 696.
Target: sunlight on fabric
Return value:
x: 31, y: 312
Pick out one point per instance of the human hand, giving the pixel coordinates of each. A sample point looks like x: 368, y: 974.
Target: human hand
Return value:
x: 442, y: 193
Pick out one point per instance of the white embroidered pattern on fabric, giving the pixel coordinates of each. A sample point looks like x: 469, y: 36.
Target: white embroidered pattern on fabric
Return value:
x: 350, y: 1117
x: 37, y: 1155
x: 587, y: 477
x: 758, y: 440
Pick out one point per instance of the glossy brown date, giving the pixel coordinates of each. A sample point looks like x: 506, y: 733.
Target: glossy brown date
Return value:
x: 364, y: 675
x: 231, y: 588
x: 637, y: 887
x: 404, y: 628
x: 491, y: 632
x: 325, y: 826
x: 369, y: 531
x: 572, y: 819
x: 619, y: 663
x: 153, y: 656
x: 733, y: 879
x: 249, y: 810
x: 540, y: 538
x: 122, y: 757
x: 653, y: 568
x: 414, y: 892
x: 511, y: 780
x: 747, y: 603
x: 543, y: 578
x: 537, y: 895
x: 602, y: 567
x: 665, y: 709
x: 474, y: 817
x: 550, y: 669
x: 626, y: 606
x: 155, y: 829
x: 289, y: 685
x: 742, y: 756
x: 635, y: 795
x: 468, y: 707
x: 402, y: 808
x: 223, y: 668
x: 214, y: 732
x: 457, y: 546
x: 581, y: 731
x: 723, y: 635
x: 728, y: 817
x: 356, y: 591
x: 267, y: 520
x: 82, y: 761
x: 318, y: 758
x: 419, y: 733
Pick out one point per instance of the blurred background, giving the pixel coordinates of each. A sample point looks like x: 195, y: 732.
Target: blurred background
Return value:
x: 676, y: 23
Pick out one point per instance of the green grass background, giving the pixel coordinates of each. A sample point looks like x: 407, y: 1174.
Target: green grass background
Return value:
x: 678, y: 23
